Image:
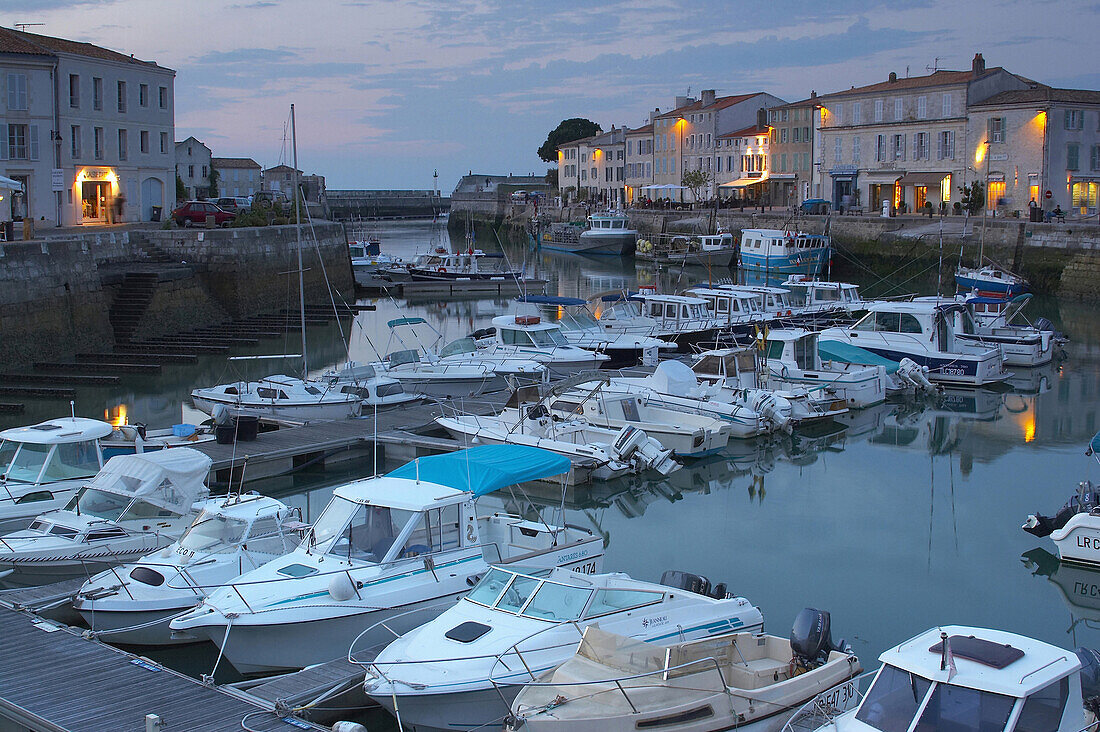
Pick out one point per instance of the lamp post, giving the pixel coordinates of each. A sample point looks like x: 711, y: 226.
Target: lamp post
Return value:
x: 680, y: 126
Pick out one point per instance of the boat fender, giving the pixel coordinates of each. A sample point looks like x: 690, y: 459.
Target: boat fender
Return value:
x: 341, y: 587
x: 348, y: 727
x: 784, y: 372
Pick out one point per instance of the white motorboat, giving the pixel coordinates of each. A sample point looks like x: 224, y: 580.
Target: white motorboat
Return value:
x: 1023, y: 345
x: 902, y: 378
x: 687, y: 434
x: 925, y: 332
x: 376, y: 388
x: 607, y: 233
x: 472, y: 351
x: 681, y: 319
x: 793, y: 361
x: 968, y: 679
x: 779, y: 306
x: 739, y: 314
x: 745, y: 681
x: 43, y: 465
x: 810, y: 291
x: 531, y: 338
x: 134, y: 505
x: 462, y: 670
x: 1075, y: 529
x: 383, y: 546
x: 581, y: 329
x: 282, y: 397
x: 133, y: 603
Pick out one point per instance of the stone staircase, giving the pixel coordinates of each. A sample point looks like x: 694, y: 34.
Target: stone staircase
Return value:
x: 130, y: 303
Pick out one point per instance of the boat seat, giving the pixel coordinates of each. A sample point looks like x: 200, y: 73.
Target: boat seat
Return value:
x: 758, y: 673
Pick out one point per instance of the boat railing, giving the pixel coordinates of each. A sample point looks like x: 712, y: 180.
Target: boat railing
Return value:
x: 822, y: 711
x: 427, y: 613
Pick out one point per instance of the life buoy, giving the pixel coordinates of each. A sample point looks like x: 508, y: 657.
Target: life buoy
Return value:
x: 442, y: 270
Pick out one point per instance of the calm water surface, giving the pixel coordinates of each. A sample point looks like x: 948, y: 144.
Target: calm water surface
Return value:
x: 899, y: 518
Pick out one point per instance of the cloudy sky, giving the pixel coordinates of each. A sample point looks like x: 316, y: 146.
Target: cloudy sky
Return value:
x: 388, y: 91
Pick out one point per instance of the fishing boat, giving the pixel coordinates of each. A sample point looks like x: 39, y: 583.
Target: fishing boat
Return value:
x: 744, y: 681
x: 282, y: 397
x: 133, y: 603
x: 134, y: 505
x: 924, y: 332
x: 1075, y: 529
x: 828, y: 296
x: 462, y: 670
x: 43, y: 465
x: 582, y: 329
x: 408, y: 540
x: 531, y: 338
x: 776, y: 251
x: 969, y: 679
x: 607, y: 233
x: 989, y: 281
x: 368, y: 264
x: 472, y: 264
x: 739, y: 314
x: 716, y: 251
x: 684, y: 321
x: 793, y: 360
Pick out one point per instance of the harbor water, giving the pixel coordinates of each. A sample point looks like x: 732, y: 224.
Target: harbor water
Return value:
x: 894, y: 519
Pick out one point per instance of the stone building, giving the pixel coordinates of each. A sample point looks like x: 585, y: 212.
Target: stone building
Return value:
x: 193, y: 163
x: 85, y: 130
x: 792, y: 129
x: 638, y: 171
x: 596, y: 166
x: 745, y: 165
x: 237, y: 176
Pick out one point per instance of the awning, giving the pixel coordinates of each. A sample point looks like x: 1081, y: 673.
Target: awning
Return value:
x: 744, y: 182
x: 485, y: 468
x: 782, y: 176
x: 884, y: 176
x: 9, y: 184
x: 922, y: 179
x: 665, y: 187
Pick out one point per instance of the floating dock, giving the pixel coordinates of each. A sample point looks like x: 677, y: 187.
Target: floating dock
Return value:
x: 415, y: 289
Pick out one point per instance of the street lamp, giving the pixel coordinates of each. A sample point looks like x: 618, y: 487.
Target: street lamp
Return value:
x: 680, y: 124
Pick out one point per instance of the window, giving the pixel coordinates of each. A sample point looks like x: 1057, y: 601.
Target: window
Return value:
x: 878, y: 110
x: 783, y: 135
x: 164, y: 142
x: 898, y: 108
x: 947, y: 145
x: 836, y: 150
x: 922, y: 107
x: 122, y: 145
x: 947, y: 105
x: 839, y: 114
x: 796, y: 134
x: 204, y: 171
x: 97, y: 93
x: 74, y: 139
x: 783, y: 163
x: 995, y: 129
x: 17, y: 92
x: 23, y: 142
x: 958, y: 707
x: 857, y: 112
x: 1043, y: 710
x: 921, y: 146
x: 1075, y: 119
x: 1072, y: 156
x: 855, y: 150
x: 610, y: 601
x: 893, y: 699
x: 880, y: 148
x: 1094, y: 158
x: 144, y: 138
x: 121, y: 96
x: 74, y: 91
x: 143, y: 95
x: 898, y: 147
x: 163, y: 97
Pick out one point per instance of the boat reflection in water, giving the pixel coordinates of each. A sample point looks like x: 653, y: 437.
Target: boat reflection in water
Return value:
x: 1078, y: 586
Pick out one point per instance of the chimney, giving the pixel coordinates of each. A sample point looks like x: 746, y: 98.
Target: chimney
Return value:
x: 978, y: 67
x: 708, y: 97
x: 682, y: 102
x: 762, y: 117
x: 813, y: 94
x: 893, y: 76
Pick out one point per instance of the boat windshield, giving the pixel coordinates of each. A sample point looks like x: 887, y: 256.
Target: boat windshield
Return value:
x: 360, y: 532
x: 94, y: 502
x: 462, y: 345
x: 897, y: 695
x: 213, y: 533
x: 26, y: 462
x: 826, y: 294
x: 549, y: 337
x: 23, y: 461
x: 530, y: 595
x: 576, y: 320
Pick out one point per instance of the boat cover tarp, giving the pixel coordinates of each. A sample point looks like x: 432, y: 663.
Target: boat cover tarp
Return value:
x: 846, y: 352
x: 405, y: 321
x: 485, y: 468
x: 673, y: 377
x: 1094, y: 444
x: 551, y: 300
x: 171, y: 479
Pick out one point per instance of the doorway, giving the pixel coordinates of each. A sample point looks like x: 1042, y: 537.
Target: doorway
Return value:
x: 20, y: 206
x: 842, y: 192
x: 93, y: 195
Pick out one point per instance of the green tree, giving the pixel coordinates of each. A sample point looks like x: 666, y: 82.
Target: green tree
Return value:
x: 552, y: 177
x: 215, y: 179
x: 181, y: 189
x: 973, y: 197
x: 568, y: 131
x: 696, y: 181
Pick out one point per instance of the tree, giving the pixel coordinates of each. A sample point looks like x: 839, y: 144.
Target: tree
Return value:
x: 696, y: 181
x: 181, y: 189
x: 569, y: 130
x: 552, y: 177
x: 214, y: 179
x: 973, y: 197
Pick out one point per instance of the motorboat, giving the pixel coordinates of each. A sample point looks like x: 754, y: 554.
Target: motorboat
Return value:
x: 474, y: 351
x: 384, y: 546
x: 126, y: 439
x: 472, y: 264
x: 582, y: 329
x: 685, y: 433
x: 673, y: 385
x: 43, y: 465
x: 989, y: 280
x: 969, y: 679
x: 1023, y: 345
x: 133, y: 603
x: 607, y: 233
x: 775, y: 251
x: 282, y: 397
x: 743, y: 681
x: 531, y: 338
x: 925, y: 332
x: 810, y: 291
x: 793, y: 360
x: 716, y: 251
x: 780, y: 306
x: 134, y: 505
x: 680, y: 319
x: 368, y: 263
x: 1075, y: 528
x: 462, y: 670
x: 739, y: 314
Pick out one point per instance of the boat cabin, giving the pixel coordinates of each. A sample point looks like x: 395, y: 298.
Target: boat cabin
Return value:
x: 250, y: 521
x: 52, y: 451
x: 730, y: 307
x: 528, y: 331
x: 932, y: 323
x: 609, y: 222
x: 715, y: 242
x: 985, y: 681
x: 725, y: 363
x: 675, y: 311
x: 795, y: 346
x: 770, y: 299
x: 806, y: 292
x: 778, y: 243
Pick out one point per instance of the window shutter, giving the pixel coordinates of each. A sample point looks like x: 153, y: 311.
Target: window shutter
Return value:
x: 916, y: 149
x: 1067, y: 120
x: 12, y: 93
x: 33, y: 143
x: 3, y: 141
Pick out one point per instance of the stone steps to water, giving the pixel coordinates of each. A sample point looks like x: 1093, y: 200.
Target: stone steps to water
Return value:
x: 48, y: 379
x: 44, y: 392
x: 173, y: 347
x: 9, y: 408
x: 117, y: 368
x: 137, y: 357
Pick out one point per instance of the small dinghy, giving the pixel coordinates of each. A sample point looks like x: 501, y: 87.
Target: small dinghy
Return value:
x: 745, y: 681
x: 1075, y: 529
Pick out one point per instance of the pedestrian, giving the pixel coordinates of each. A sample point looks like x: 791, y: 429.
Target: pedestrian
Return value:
x: 120, y: 206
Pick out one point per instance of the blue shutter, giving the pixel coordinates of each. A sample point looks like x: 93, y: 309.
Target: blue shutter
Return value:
x: 33, y: 143
x: 3, y: 141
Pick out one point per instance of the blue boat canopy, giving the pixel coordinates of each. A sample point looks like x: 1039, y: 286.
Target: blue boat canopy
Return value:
x: 550, y: 300
x: 1094, y: 444
x: 997, y: 300
x: 405, y: 321
x: 485, y: 468
x: 846, y: 352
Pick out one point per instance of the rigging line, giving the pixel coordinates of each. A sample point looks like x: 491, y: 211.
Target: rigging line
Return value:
x: 324, y: 270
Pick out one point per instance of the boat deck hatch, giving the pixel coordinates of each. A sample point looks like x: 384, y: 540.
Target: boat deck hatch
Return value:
x: 467, y: 632
x: 987, y: 653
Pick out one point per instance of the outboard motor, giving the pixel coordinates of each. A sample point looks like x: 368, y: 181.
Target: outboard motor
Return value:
x: 696, y: 583
x: 1085, y: 500
x: 811, y: 638
x: 636, y: 447
x: 915, y: 374
x: 1090, y: 678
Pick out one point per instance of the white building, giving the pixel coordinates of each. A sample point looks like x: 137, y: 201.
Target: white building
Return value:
x: 193, y: 167
x: 87, y: 131
x: 237, y: 176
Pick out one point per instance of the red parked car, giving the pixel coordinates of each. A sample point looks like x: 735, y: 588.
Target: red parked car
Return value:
x: 195, y: 212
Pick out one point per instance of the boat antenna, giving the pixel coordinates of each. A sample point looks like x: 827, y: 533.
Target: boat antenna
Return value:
x: 939, y: 271
x: 298, y: 231
x: 72, y: 408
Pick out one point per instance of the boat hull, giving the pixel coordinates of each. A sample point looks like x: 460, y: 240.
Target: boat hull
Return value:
x: 292, y: 412
x: 808, y: 262
x: 448, y: 388
x: 44, y: 570
x: 153, y: 630
x: 467, y: 710
x: 717, y: 259
x: 966, y: 283
x: 1079, y: 540
x: 619, y: 246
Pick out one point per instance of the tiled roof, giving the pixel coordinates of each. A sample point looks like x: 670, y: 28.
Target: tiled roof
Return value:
x: 234, y: 163
x: 1040, y: 95
x: 719, y: 103
x: 641, y: 130
x: 13, y: 41
x: 938, y: 78
x: 747, y: 132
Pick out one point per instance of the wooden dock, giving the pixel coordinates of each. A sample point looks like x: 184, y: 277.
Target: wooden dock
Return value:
x: 53, y: 679
x: 418, y: 290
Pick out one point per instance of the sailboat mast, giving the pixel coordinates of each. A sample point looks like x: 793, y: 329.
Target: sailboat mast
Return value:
x: 298, y: 231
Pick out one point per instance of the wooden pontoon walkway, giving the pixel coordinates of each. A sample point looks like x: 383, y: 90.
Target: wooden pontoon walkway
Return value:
x: 52, y: 678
